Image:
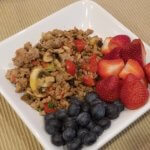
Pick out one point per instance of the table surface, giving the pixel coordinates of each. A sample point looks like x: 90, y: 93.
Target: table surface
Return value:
x: 15, y: 15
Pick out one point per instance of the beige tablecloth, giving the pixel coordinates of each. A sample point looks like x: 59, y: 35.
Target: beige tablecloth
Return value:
x: 16, y: 15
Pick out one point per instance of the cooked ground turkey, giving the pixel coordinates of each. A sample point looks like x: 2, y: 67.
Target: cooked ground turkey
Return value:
x: 55, y: 47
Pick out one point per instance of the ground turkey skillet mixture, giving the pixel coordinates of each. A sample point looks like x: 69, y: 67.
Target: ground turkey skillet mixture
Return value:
x: 60, y: 65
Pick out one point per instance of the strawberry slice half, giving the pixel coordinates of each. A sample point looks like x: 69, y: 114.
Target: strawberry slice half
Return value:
x: 108, y: 68
x: 119, y: 41
x: 132, y: 67
x: 147, y: 71
x: 114, y: 54
x: 112, y: 42
x: 134, y: 93
x: 105, y: 48
x: 135, y: 50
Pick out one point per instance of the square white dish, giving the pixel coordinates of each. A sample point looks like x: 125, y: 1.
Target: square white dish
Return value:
x: 82, y: 14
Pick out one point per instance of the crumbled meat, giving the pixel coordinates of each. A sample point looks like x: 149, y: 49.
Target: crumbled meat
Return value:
x: 51, y: 53
x: 24, y: 56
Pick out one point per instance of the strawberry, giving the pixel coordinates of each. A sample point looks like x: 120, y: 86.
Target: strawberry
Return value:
x: 134, y: 93
x: 133, y: 67
x: 107, y: 68
x: 88, y: 80
x: 80, y: 44
x: 114, y: 54
x: 108, y: 89
x: 105, y: 47
x: 147, y: 71
x: 70, y: 67
x: 135, y: 50
x: 112, y: 42
x: 145, y: 81
x: 119, y: 41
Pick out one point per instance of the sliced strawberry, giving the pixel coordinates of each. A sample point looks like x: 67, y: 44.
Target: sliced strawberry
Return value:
x: 114, y: 54
x: 105, y: 48
x: 109, y: 88
x: 133, y: 67
x: 70, y: 67
x: 93, y: 63
x: 145, y: 81
x: 119, y: 41
x: 108, y: 68
x: 80, y: 45
x: 147, y: 71
x: 88, y: 80
x: 135, y: 50
x: 134, y: 93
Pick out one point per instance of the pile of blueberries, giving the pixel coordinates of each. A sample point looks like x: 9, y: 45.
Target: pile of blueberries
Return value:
x: 83, y: 122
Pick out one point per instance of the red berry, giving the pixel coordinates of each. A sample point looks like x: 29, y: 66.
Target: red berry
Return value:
x: 134, y: 94
x: 109, y: 88
x: 147, y: 71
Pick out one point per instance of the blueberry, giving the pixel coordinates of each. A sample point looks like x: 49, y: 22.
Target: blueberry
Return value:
x: 104, y: 123
x: 75, y: 100
x: 75, y: 144
x: 95, y: 102
x: 89, y: 138
x: 83, y: 119
x: 49, y: 116
x: 119, y: 105
x: 69, y: 134
x: 85, y: 107
x: 70, y: 123
x: 90, y: 97
x: 112, y: 111
x: 91, y: 125
x: 61, y: 114
x: 57, y: 140
x: 73, y: 110
x: 98, y: 111
x: 82, y: 132
x: 53, y: 126
x: 104, y: 104
x: 97, y: 130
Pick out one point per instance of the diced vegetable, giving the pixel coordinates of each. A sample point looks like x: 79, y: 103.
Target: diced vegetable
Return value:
x: 48, y: 108
x: 87, y: 80
x: 70, y: 67
x: 80, y: 45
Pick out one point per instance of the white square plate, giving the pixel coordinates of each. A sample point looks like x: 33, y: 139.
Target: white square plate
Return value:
x: 82, y: 14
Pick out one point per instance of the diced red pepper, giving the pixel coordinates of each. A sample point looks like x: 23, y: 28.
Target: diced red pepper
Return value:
x: 13, y: 79
x: 88, y: 80
x: 80, y: 45
x: 35, y: 62
x: 44, y: 64
x: 70, y: 67
x: 93, y: 63
x: 47, y: 109
x: 85, y: 66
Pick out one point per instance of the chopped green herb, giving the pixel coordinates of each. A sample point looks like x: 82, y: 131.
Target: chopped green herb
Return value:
x: 51, y: 105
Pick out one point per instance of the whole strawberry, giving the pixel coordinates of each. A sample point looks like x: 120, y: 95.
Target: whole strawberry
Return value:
x: 134, y: 93
x: 108, y: 89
